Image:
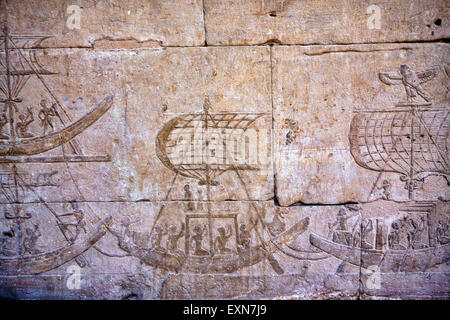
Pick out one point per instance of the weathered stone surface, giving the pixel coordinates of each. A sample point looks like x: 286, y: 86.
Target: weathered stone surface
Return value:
x: 324, y: 22
x: 123, y: 263
x: 155, y: 86
x: 318, y: 91
x: 137, y: 163
x: 111, y: 24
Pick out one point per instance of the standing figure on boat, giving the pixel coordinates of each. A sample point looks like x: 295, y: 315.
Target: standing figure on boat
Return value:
x: 188, y: 197
x: 7, y: 243
x: 386, y: 187
x: 30, y: 239
x: 79, y: 224
x: 244, y: 237
x: 174, y: 236
x: 220, y: 244
x: 157, y: 236
x: 197, y: 239
x: 395, y: 237
x: 415, y: 234
x: 22, y: 125
x: 46, y: 115
x: 3, y: 122
x: 340, y: 233
x: 361, y: 235
x: 441, y: 232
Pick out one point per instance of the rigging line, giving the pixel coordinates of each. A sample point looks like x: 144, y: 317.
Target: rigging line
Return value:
x: 261, y: 239
x: 394, y: 142
x: 163, y: 205
x: 429, y: 146
x: 405, y: 150
x: 381, y: 138
x: 7, y: 196
x: 76, y: 184
x: 254, y: 207
x: 73, y: 142
x: 51, y: 211
x: 111, y: 255
x: 366, y: 133
x: 418, y: 116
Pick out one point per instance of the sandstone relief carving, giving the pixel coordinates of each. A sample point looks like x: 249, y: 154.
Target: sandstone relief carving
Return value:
x: 231, y: 165
x: 19, y: 253
x: 213, y: 243
x: 412, y: 141
x: 408, y: 140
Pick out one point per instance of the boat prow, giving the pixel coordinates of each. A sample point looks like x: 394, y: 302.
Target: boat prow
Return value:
x: 48, y: 142
x: 38, y: 263
x: 386, y: 261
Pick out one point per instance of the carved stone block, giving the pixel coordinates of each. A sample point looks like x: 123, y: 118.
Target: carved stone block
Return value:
x: 346, y: 133
x: 324, y: 22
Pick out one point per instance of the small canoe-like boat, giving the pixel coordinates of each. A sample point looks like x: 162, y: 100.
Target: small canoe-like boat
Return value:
x: 38, y: 263
x: 33, y: 146
x: 386, y: 261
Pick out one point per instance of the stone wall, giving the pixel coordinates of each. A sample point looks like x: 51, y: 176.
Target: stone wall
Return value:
x: 224, y: 149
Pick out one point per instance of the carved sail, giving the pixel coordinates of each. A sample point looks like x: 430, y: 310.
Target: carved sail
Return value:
x: 409, y: 143
x: 177, y: 142
x: 48, y: 142
x: 387, y: 261
x: 33, y: 264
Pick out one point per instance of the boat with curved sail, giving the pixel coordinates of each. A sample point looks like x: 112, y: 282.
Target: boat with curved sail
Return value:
x: 19, y: 252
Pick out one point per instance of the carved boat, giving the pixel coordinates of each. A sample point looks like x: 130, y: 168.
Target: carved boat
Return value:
x: 230, y: 263
x: 33, y: 146
x: 387, y: 261
x: 38, y: 263
x: 227, y: 263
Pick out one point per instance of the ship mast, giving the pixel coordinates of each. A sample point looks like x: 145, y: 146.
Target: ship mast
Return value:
x: 9, y: 102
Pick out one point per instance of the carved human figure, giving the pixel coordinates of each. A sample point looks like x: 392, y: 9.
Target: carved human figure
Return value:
x: 416, y: 232
x: 386, y: 187
x: 395, y: 237
x: 29, y: 241
x: 220, y: 243
x: 341, y: 234
x: 197, y: 239
x: 7, y: 243
x: 46, y: 115
x: 3, y: 122
x: 79, y: 224
x: 441, y: 232
x: 244, y: 236
x: 156, y: 237
x: 174, y: 236
x: 188, y: 197
x: 361, y: 235
x: 23, y: 123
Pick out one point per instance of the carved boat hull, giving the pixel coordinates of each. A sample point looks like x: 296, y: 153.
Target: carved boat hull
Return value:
x: 387, y: 261
x: 34, y: 264
x: 226, y: 263
x: 48, y: 142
